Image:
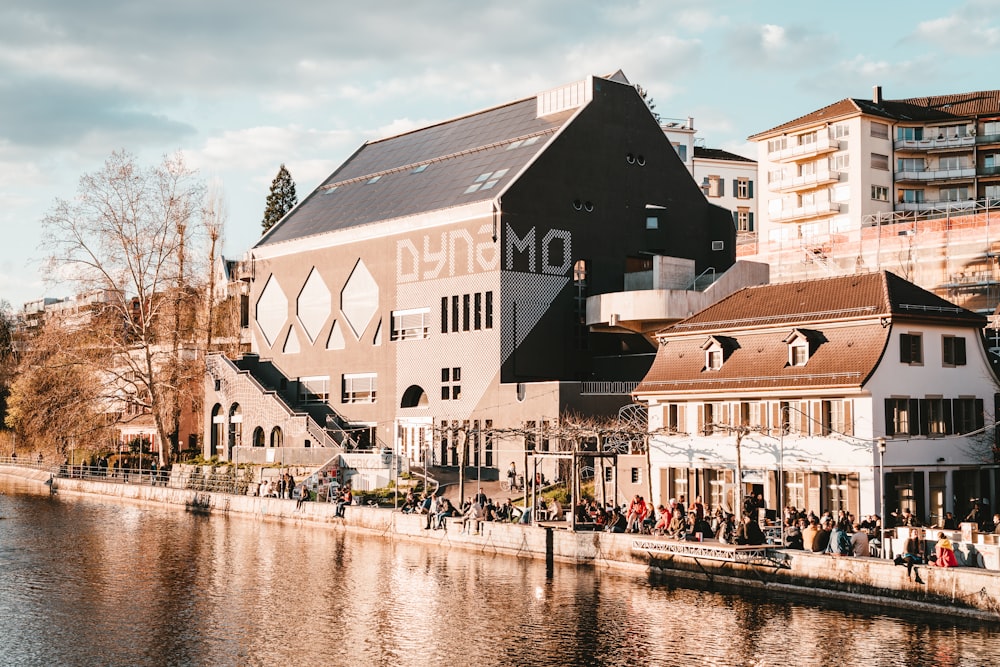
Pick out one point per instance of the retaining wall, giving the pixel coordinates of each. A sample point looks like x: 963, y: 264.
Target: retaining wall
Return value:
x: 962, y: 591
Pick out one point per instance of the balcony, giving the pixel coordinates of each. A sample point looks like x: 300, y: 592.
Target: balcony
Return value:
x: 936, y: 205
x: 928, y: 175
x: 951, y: 143
x: 988, y: 171
x: 987, y: 139
x: 807, y: 182
x: 823, y: 144
x: 803, y: 212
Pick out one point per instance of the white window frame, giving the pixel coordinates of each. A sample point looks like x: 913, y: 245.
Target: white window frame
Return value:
x: 359, y: 388
x: 314, y: 389
x: 410, y: 324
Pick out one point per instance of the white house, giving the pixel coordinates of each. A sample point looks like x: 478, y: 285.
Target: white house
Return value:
x: 809, y: 378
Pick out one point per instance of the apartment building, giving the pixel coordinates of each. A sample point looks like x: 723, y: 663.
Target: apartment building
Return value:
x: 908, y: 185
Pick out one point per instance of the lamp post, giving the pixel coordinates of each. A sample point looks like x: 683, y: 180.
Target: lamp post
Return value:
x: 783, y: 426
x: 881, y: 488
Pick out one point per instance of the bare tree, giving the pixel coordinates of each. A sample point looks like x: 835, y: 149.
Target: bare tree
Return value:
x: 124, y: 235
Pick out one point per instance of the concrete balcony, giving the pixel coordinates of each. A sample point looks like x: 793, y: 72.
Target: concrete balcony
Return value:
x: 935, y: 144
x: 935, y: 175
x: 646, y: 311
x: 937, y: 205
x: 823, y: 144
x: 809, y: 182
x: 804, y: 212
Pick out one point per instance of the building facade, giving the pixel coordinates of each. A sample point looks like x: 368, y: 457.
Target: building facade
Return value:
x: 788, y: 390
x: 430, y: 296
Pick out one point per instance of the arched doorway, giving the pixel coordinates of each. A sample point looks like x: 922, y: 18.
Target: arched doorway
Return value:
x: 414, y: 397
x: 235, y: 429
x: 276, y: 437
x: 258, y: 437
x: 218, y: 430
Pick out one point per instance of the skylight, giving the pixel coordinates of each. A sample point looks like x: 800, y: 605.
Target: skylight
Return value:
x: 486, y: 181
x: 417, y: 170
x: 373, y: 180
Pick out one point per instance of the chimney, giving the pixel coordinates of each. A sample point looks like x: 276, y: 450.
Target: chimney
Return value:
x: 877, y: 94
x: 690, y: 122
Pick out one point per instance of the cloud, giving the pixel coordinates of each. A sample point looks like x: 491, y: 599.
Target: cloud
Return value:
x: 772, y: 45
x: 973, y: 23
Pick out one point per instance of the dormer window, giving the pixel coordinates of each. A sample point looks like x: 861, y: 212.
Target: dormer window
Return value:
x: 717, y: 349
x: 801, y: 345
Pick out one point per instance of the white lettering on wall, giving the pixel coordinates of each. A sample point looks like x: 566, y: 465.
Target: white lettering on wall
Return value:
x: 457, y: 250
x: 565, y: 252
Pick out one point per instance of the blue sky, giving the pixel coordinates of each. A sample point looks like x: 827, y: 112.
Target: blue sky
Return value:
x: 240, y: 87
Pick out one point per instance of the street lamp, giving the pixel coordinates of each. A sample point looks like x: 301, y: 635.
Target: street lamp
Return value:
x: 782, y: 426
x: 881, y: 487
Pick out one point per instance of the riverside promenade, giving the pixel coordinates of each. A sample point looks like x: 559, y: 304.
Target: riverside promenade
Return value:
x: 968, y: 592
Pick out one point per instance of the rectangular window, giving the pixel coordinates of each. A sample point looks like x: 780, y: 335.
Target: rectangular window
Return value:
x: 909, y: 133
x: 795, y: 486
x: 911, y: 349
x: 477, y: 311
x: 410, y: 324
x: 968, y: 414
x: 935, y: 417
x: 900, y: 416
x: 744, y: 220
x: 841, y: 162
x: 880, y: 161
x: 359, y: 388
x: 444, y: 314
x: 489, y: 310
x: 743, y: 188
x: 953, y: 194
x: 652, y: 222
x: 799, y: 355
x: 807, y: 169
x: 911, y: 196
x: 880, y: 193
x: 832, y: 414
x: 841, y: 130
x: 880, y: 130
x: 713, y: 360
x: 636, y: 475
x: 454, y: 313
x: 466, y: 311
x: 716, y: 186
x: 949, y: 163
x: 807, y: 139
x: 675, y: 417
x: 778, y: 144
x: 953, y: 350
x: 314, y: 389
x: 910, y: 164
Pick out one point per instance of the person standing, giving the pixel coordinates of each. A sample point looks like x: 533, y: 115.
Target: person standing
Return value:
x: 290, y: 486
x: 512, y: 476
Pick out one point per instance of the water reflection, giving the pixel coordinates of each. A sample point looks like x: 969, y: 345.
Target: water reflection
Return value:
x: 88, y: 583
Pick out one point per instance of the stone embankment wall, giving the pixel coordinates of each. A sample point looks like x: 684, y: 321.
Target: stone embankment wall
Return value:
x: 952, y: 591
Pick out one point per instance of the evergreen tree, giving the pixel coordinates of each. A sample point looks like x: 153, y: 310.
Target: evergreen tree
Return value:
x: 281, y: 200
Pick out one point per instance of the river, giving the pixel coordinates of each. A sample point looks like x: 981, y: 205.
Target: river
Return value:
x: 85, y: 581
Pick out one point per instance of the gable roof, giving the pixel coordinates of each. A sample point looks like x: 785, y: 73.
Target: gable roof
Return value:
x: 761, y: 319
x: 719, y: 154
x: 425, y: 170
x: 934, y: 107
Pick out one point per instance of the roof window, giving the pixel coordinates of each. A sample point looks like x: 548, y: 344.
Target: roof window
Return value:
x: 486, y: 181
x: 419, y: 168
x: 374, y: 179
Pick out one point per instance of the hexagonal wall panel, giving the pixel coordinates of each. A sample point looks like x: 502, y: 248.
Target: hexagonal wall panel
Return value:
x: 272, y: 310
x: 313, y: 305
x: 359, y: 299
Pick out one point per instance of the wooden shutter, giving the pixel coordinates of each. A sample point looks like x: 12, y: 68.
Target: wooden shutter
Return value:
x: 853, y: 494
x: 948, y: 421
x: 905, y: 349
x: 750, y: 194
x: 980, y: 418
x: 914, y: 417
x: 681, y: 411
x: 701, y: 418
x: 816, y: 424
x: 848, y: 418
x: 776, y: 418
x: 890, y: 422
x: 959, y: 351
x: 924, y: 417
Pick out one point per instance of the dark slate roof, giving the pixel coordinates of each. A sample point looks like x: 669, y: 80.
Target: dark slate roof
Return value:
x: 719, y: 154
x: 759, y: 320
x: 453, y: 154
x: 917, y: 109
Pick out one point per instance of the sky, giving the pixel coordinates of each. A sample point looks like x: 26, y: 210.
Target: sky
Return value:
x: 241, y: 87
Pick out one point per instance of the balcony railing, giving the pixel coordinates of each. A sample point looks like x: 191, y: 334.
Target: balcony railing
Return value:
x: 824, y: 144
x: 964, y: 173
x: 805, y: 182
x: 810, y: 211
x: 932, y: 144
x: 935, y: 205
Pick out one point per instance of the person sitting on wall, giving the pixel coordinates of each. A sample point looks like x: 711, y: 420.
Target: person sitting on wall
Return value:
x: 677, y: 527
x: 793, y: 534
x: 860, y: 545
x: 950, y: 522
x: 911, y: 555
x: 749, y: 532
x: 345, y: 500
x: 303, y: 495
x: 944, y: 553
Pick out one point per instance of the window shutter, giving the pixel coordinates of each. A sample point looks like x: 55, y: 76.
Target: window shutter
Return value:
x: 980, y: 419
x: 904, y: 348
x: 750, y: 194
x: 914, y: 416
x: 816, y: 425
x: 776, y: 418
x: 948, y: 421
x: 890, y: 422
x: 750, y: 221
x: 681, y: 411
x: 736, y: 186
x: 924, y: 417
x: 959, y: 351
x: 736, y: 219
x: 848, y: 419
x: 701, y: 418
x: 804, y: 419
x: 722, y: 187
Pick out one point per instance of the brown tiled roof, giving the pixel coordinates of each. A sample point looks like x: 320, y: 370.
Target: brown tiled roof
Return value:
x: 719, y: 154
x: 935, y: 107
x: 759, y: 320
x: 845, y: 358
